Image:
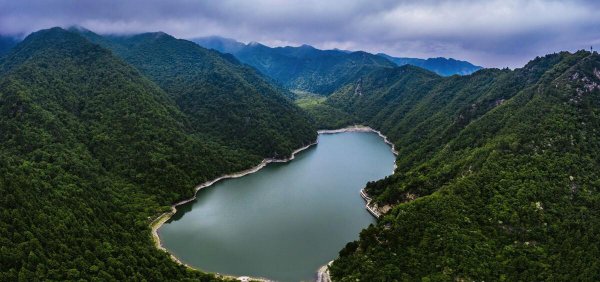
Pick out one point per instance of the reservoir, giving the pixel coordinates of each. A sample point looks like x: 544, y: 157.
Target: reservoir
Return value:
x: 286, y: 220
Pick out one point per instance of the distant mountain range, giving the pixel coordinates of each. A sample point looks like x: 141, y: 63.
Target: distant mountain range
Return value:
x: 308, y: 69
x: 302, y: 68
x: 440, y: 65
x: 321, y: 71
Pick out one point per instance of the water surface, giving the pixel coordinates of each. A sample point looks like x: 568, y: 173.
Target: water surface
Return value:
x: 286, y: 220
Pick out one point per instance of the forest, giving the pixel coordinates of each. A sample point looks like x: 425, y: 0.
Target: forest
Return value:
x: 497, y: 175
x: 93, y: 150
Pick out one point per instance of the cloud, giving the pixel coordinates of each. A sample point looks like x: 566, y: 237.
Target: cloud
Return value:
x: 491, y: 33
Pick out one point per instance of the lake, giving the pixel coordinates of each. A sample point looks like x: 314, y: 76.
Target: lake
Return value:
x: 286, y: 220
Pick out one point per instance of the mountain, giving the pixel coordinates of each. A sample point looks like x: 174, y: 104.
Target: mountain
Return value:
x: 221, y: 44
x: 497, y: 173
x: 302, y: 68
x: 6, y: 43
x: 441, y: 66
x: 222, y: 97
x: 92, y: 150
x: 308, y: 69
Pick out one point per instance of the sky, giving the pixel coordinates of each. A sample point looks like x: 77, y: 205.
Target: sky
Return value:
x: 492, y: 33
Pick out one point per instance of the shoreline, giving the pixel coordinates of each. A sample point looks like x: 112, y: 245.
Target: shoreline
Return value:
x: 164, y: 217
x: 323, y: 273
x: 373, y: 210
x: 361, y: 128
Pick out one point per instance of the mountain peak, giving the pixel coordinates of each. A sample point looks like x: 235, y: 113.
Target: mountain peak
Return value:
x: 39, y: 42
x: 255, y: 44
x: 306, y: 46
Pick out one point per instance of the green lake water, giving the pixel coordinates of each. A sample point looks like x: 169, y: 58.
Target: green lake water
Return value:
x: 286, y: 220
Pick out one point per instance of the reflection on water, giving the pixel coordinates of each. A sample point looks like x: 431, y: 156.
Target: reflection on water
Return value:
x: 286, y: 220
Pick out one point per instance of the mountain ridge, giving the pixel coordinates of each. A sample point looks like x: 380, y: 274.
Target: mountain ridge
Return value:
x: 440, y: 65
x: 92, y: 150
x: 487, y: 173
x: 198, y: 78
x: 262, y: 56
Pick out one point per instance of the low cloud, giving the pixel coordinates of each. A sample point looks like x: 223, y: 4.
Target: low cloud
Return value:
x: 496, y: 33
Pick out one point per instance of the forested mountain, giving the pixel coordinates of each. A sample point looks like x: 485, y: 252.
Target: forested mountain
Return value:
x: 6, y: 43
x: 221, y: 96
x: 306, y: 68
x: 441, y: 66
x: 303, y: 68
x: 91, y: 151
x: 497, y: 174
x: 497, y: 178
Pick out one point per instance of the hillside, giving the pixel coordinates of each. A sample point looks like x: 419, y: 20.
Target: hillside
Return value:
x: 497, y: 173
x: 91, y: 152
x: 497, y: 178
x: 302, y: 68
x: 441, y: 66
x: 222, y: 97
x: 308, y: 69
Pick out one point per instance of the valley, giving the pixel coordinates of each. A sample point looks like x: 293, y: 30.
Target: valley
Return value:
x: 493, y: 174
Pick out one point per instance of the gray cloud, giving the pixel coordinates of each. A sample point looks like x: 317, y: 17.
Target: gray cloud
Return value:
x: 494, y: 33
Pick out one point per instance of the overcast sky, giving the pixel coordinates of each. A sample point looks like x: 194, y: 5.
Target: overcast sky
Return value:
x: 493, y: 33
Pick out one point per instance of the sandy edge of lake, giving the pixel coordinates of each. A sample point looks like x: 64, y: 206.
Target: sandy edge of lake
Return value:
x: 164, y: 217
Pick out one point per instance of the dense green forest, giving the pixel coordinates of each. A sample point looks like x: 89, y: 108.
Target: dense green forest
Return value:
x: 497, y: 173
x: 306, y: 68
x: 303, y: 68
x: 256, y: 117
x: 91, y: 151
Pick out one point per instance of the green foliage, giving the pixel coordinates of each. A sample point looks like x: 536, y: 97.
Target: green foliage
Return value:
x: 302, y: 68
x: 324, y: 115
x: 497, y: 174
x: 90, y: 152
x: 222, y: 97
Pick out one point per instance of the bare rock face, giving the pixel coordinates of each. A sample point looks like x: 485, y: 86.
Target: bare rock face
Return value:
x: 587, y: 84
x: 575, y: 76
x: 358, y: 89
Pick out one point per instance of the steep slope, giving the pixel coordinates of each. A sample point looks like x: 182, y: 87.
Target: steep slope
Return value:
x: 221, y: 96
x: 90, y: 152
x: 302, y: 68
x: 496, y: 180
x: 441, y: 66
